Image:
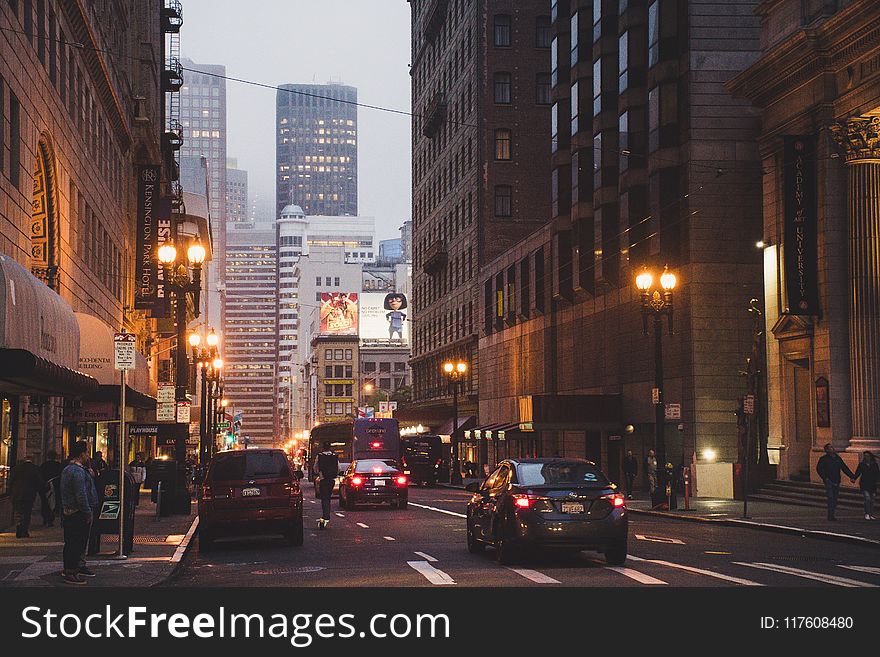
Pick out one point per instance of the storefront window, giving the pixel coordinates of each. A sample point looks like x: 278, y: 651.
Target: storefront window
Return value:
x: 5, y: 444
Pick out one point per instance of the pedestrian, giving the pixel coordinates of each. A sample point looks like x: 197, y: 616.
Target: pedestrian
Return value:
x: 51, y: 471
x: 78, y: 499
x: 630, y: 470
x: 651, y: 471
x: 138, y: 469
x: 828, y: 468
x: 868, y: 473
x: 327, y: 467
x: 99, y: 464
x: 25, y: 483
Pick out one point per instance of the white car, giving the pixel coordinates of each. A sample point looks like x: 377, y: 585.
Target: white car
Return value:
x: 342, y: 468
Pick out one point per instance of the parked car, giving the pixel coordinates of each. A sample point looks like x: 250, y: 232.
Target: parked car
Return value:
x: 374, y: 481
x: 547, y: 503
x: 252, y: 491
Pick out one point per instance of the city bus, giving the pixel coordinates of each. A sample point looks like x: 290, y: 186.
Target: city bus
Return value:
x: 363, y: 438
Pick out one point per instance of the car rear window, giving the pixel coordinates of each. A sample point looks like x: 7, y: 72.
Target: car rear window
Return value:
x: 379, y: 467
x: 250, y: 465
x: 563, y: 473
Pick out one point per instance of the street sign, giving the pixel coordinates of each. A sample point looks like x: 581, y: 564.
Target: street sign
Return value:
x: 166, y: 393
x: 383, y: 406
x: 124, y: 350
x: 655, y: 395
x: 749, y: 404
x: 392, y: 406
x: 223, y: 425
x: 165, y: 412
x: 183, y: 412
x: 673, y: 411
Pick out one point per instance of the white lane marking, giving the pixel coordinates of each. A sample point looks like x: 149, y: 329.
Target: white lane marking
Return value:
x: 434, y: 508
x: 313, y: 501
x: 360, y: 524
x: 433, y: 575
x: 862, y: 569
x: 806, y: 574
x: 641, y: 578
x: 341, y: 515
x: 535, y: 576
x: 699, y: 571
x: 388, y: 538
x: 659, y: 539
x: 426, y: 557
x: 181, y: 549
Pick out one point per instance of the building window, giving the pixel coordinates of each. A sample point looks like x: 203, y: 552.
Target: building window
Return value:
x: 623, y: 140
x: 338, y: 354
x: 597, y: 87
x: 543, y: 32
x: 369, y: 367
x: 327, y: 280
x: 623, y: 62
x: 574, y: 39
x: 653, y: 33
x: 385, y: 384
x: 503, y: 194
x: 542, y: 88
x: 328, y: 354
x: 328, y: 371
x: 400, y: 367
x: 14, y: 140
x: 336, y: 282
x: 574, y: 108
x: 502, y: 144
x: 339, y: 371
x: 502, y: 88
x: 348, y: 354
x: 502, y: 31
x: 554, y: 127
x: 318, y: 281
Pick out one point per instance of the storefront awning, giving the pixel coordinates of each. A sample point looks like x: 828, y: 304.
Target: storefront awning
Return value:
x: 23, y: 373
x: 464, y: 422
x: 96, y: 358
x: 133, y: 398
x: 495, y: 431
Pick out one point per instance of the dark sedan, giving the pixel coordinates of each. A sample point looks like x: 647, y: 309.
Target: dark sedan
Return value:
x: 373, y: 481
x: 563, y: 504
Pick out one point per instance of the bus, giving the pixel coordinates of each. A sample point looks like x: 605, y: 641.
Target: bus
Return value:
x: 363, y: 438
x: 422, y: 457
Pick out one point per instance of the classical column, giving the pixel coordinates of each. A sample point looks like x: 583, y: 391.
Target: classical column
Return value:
x: 859, y: 138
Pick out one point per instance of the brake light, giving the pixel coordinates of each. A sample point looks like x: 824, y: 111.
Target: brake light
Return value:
x: 357, y: 481
x: 401, y: 481
x: 376, y: 444
x: 207, y: 493
x: 617, y: 501
x: 522, y: 502
x: 292, y: 488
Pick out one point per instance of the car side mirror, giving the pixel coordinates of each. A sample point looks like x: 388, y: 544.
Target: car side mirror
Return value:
x: 473, y: 487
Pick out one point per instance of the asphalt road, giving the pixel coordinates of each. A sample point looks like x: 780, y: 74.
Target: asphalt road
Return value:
x: 425, y: 546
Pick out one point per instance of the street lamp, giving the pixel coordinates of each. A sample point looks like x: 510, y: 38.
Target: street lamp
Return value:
x: 215, y: 394
x: 455, y: 373
x: 203, y: 359
x: 656, y: 303
x: 180, y: 285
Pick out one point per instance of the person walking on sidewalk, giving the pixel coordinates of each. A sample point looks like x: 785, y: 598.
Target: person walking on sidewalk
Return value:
x: 25, y: 483
x: 651, y: 471
x: 630, y: 470
x: 327, y: 466
x: 78, y: 498
x: 51, y: 470
x: 868, y: 473
x: 829, y: 468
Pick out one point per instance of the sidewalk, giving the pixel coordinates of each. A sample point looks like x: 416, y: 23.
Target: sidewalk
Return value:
x: 850, y: 527
x: 159, y: 545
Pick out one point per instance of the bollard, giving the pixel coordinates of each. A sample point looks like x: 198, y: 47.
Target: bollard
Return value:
x: 158, y: 498
x: 687, y: 488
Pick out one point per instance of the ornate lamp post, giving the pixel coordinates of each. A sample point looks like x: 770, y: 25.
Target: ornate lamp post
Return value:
x: 215, y: 393
x: 455, y: 373
x: 657, y: 302
x: 180, y: 286
x: 203, y: 357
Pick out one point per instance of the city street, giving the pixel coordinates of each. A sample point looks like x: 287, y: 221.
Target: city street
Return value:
x: 425, y: 546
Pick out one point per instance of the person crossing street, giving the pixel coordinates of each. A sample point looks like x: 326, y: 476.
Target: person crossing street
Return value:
x: 327, y: 467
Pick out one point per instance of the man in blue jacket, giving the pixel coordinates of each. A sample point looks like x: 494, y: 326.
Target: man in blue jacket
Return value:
x: 828, y: 468
x: 78, y: 499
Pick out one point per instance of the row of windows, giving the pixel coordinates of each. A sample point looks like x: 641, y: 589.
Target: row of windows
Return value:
x: 338, y: 389
x: 338, y: 354
x: 503, y: 34
x: 433, y: 332
x: 99, y: 252
x: 370, y: 366
x: 338, y: 409
x: 338, y: 371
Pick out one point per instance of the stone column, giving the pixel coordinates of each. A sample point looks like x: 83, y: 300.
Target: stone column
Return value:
x: 860, y: 140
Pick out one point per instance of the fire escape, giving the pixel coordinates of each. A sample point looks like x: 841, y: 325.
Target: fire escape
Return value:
x: 172, y: 81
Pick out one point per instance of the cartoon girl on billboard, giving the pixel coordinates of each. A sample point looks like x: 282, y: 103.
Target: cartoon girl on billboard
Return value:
x: 395, y: 302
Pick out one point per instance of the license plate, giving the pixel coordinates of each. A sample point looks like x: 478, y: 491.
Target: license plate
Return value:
x: 250, y: 492
x: 379, y: 482
x: 572, y: 507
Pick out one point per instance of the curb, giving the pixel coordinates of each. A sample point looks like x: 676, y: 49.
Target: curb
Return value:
x: 760, y: 526
x: 177, y: 558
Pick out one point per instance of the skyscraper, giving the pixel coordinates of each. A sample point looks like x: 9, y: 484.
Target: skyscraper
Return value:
x: 316, y: 149
x: 236, y: 192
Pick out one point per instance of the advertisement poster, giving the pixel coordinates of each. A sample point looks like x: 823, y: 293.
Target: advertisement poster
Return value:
x: 384, y: 320
x: 339, y: 313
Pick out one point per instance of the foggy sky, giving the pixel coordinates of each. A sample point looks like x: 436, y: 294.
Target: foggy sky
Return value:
x: 363, y: 43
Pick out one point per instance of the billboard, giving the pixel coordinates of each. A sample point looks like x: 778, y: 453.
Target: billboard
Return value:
x: 383, y: 319
x: 339, y: 313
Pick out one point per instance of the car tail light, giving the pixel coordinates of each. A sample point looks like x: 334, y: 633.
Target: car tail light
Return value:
x: 401, y: 481
x: 437, y: 464
x: 617, y: 501
x: 522, y: 501
x: 207, y: 493
x: 375, y: 444
x: 357, y: 481
x: 292, y: 488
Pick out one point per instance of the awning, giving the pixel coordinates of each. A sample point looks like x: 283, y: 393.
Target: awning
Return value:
x: 133, y: 398
x: 96, y: 357
x: 464, y: 422
x: 495, y: 431
x: 23, y: 373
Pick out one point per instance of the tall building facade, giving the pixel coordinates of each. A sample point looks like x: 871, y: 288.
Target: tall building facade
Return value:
x: 316, y: 148
x: 250, y: 337
x: 654, y: 163
x: 481, y: 176
x: 237, y: 208
x: 203, y: 119
x: 817, y: 88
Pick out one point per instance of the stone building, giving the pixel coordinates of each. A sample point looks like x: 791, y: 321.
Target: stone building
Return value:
x: 817, y: 87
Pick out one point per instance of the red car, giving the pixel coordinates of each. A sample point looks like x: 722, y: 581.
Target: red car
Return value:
x: 250, y: 491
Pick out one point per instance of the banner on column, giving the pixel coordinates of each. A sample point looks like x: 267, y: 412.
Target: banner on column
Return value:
x: 146, y: 267
x: 800, y: 251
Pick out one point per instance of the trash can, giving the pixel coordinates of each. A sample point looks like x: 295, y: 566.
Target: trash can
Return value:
x: 107, y: 520
x: 164, y: 477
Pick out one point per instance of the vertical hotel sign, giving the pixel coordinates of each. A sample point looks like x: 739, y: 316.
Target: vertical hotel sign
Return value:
x: 153, y: 230
x: 801, y: 259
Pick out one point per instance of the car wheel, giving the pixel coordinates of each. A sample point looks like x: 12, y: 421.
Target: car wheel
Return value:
x: 616, y: 555
x: 505, y: 551
x: 473, y: 545
x: 295, y: 533
x: 402, y: 503
x: 206, y: 540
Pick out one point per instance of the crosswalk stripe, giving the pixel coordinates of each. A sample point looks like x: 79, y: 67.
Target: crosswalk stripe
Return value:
x: 434, y: 508
x: 806, y: 574
x: 862, y: 569
x: 433, y: 575
x: 535, y: 576
x: 426, y: 557
x: 341, y: 515
x: 641, y: 578
x: 389, y: 538
x: 365, y: 526
x: 699, y: 571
